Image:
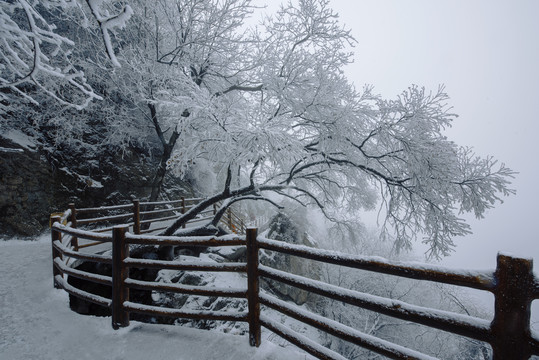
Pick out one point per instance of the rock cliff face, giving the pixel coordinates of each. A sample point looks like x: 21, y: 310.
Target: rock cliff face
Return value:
x: 26, y: 189
x: 34, y: 182
x: 282, y: 228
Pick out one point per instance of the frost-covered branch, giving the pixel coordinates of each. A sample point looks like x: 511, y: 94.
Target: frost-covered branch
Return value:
x: 36, y: 55
x: 107, y: 22
x: 35, y: 58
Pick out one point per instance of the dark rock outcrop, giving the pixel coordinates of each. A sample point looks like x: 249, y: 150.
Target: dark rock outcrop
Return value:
x: 282, y: 228
x: 34, y: 182
x: 143, y: 297
x: 26, y: 190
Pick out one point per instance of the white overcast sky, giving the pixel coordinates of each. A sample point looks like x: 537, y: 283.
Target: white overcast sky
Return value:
x: 487, y: 54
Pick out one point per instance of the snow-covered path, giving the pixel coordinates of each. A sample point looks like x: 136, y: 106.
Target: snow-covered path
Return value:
x: 36, y: 323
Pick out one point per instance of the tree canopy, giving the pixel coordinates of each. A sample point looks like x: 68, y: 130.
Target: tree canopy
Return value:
x: 266, y: 107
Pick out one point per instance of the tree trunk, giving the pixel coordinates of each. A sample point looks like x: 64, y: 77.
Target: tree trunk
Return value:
x: 168, y: 146
x: 157, y: 182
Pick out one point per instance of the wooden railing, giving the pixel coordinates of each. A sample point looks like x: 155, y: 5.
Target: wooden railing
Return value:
x: 139, y: 219
x: 513, y: 284
x: 235, y: 223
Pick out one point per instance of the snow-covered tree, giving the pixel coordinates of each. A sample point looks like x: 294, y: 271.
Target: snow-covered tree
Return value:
x: 267, y: 108
x: 281, y: 117
x: 172, y: 60
x: 35, y: 59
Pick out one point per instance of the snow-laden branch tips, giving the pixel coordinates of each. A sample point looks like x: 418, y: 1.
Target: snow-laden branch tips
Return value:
x: 35, y: 59
x: 37, y: 56
x: 106, y: 23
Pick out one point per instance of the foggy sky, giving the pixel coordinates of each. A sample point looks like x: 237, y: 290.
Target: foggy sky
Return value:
x: 487, y: 55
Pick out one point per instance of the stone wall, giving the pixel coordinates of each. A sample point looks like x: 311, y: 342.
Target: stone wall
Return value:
x: 26, y: 186
x: 34, y: 183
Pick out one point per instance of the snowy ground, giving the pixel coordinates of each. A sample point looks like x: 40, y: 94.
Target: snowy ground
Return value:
x: 36, y: 323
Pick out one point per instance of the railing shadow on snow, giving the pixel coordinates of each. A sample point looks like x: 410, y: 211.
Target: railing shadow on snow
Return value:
x: 512, y: 283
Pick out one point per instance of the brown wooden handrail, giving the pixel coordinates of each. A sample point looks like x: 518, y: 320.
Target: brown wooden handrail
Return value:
x: 472, y: 279
x: 170, y: 202
x: 186, y: 266
x: 103, y: 208
x: 455, y: 323
x: 342, y: 331
x: 512, y: 282
x: 134, y: 213
x: 186, y: 314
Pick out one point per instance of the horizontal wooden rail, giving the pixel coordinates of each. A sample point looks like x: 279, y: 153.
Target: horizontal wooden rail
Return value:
x: 95, y: 299
x: 185, y: 266
x: 141, y: 220
x: 456, y: 323
x: 109, y: 228
x: 103, y: 219
x: 149, y: 221
x: 104, y: 208
x: 84, y: 234
x: 188, y: 314
x: 472, y: 279
x: 299, y: 340
x: 152, y: 230
x: 82, y: 246
x: 186, y: 289
x: 344, y: 332
x: 226, y: 240
x: 199, y: 219
x: 153, y: 212
x: 105, y: 259
x: 95, y: 278
x: 169, y: 202
x: 170, y: 217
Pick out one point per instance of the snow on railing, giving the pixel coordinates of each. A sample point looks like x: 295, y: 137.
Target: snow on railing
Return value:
x: 513, y: 284
x: 141, y: 221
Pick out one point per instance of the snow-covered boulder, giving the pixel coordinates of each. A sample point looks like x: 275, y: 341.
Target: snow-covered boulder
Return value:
x: 282, y: 228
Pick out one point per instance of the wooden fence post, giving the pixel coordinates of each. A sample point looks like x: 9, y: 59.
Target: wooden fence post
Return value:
x: 183, y: 209
x: 55, y: 235
x: 73, y: 219
x: 120, y: 272
x: 253, y: 288
x: 511, y: 324
x: 136, y: 216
